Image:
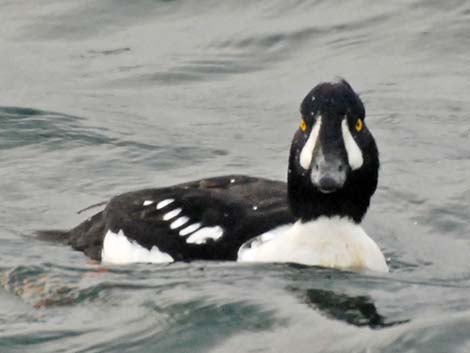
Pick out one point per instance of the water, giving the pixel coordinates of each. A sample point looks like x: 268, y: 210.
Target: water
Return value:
x: 98, y: 98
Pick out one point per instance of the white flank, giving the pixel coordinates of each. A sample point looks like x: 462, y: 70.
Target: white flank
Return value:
x: 327, y: 242
x: 179, y: 222
x: 355, y: 158
x: 148, y: 202
x: 164, y: 203
x: 118, y: 249
x: 171, y: 214
x: 204, y: 234
x: 245, y: 253
x: 307, y: 150
x: 189, y: 229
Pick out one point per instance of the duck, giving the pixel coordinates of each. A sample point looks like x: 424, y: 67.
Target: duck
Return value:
x: 314, y: 219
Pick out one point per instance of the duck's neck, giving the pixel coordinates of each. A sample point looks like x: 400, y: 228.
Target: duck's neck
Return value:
x: 352, y: 201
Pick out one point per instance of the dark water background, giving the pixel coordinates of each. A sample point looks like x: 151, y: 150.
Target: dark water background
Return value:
x: 102, y: 97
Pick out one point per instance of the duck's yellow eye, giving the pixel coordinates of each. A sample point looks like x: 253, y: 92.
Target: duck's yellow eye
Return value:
x: 359, y: 125
x: 303, y: 125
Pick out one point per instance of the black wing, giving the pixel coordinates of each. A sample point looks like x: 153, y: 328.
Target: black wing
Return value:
x: 205, y: 219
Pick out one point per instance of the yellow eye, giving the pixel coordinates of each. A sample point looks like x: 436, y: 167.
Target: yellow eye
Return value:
x: 303, y: 125
x: 359, y: 125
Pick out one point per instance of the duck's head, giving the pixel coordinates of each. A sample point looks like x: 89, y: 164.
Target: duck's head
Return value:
x: 334, y: 162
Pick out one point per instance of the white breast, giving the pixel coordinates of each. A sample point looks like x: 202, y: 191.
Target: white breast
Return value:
x: 328, y: 242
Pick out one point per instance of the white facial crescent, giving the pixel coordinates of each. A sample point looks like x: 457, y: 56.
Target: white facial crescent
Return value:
x: 307, y: 150
x: 355, y: 157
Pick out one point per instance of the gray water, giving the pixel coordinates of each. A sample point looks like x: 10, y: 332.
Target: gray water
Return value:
x: 103, y: 97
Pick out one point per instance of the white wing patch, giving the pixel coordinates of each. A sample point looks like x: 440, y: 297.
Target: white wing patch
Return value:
x: 196, y: 234
x: 307, y: 150
x: 171, y: 214
x: 118, y: 249
x: 179, y: 222
x: 355, y: 157
x: 148, y: 202
x: 164, y: 203
x: 204, y: 234
x: 189, y: 229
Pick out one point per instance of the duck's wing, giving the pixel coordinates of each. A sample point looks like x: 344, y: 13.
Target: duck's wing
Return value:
x: 205, y: 219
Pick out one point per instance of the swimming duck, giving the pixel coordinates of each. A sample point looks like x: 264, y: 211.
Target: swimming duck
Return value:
x: 314, y: 219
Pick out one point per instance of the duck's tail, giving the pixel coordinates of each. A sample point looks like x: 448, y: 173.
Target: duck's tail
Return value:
x: 58, y: 236
x: 86, y: 237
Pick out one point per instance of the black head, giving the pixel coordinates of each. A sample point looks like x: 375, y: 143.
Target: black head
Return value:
x: 334, y: 162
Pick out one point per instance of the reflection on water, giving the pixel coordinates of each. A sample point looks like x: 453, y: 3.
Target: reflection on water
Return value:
x: 358, y: 311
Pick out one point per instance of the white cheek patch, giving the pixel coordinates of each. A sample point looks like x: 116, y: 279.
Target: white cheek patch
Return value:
x: 355, y: 157
x: 307, y: 150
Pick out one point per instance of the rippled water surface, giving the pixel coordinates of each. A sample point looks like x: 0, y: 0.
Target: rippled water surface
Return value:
x: 102, y: 97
